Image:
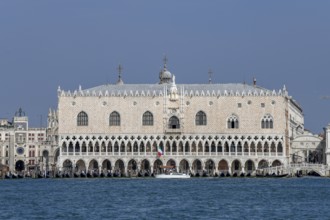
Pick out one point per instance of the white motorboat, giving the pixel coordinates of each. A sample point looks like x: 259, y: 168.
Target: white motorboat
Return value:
x: 172, y: 175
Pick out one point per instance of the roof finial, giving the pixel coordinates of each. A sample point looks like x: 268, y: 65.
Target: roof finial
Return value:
x: 254, y: 82
x: 210, y: 76
x: 165, y: 61
x: 120, y: 69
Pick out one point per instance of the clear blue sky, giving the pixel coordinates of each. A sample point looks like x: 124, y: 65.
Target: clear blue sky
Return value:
x: 46, y: 44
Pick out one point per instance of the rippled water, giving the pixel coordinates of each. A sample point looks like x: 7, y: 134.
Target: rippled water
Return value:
x: 195, y: 198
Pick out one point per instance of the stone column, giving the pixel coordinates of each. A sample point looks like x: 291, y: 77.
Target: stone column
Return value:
x: 327, y: 144
x: 11, y: 151
x: 229, y: 169
x: 243, y: 169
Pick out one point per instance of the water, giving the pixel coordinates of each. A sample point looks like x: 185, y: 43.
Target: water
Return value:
x: 195, y: 198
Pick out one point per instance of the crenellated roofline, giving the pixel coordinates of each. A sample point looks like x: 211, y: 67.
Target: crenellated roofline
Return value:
x: 154, y: 90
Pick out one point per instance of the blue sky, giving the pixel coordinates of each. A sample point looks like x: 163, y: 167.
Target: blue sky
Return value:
x: 46, y: 44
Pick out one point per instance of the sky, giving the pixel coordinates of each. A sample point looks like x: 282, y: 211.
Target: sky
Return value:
x: 67, y: 43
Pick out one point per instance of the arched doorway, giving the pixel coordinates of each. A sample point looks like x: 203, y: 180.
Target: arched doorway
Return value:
x: 209, y: 167
x: 249, y: 166
x: 67, y: 166
x: 197, y: 166
x: 132, y: 167
x: 80, y: 166
x: 157, y: 164
x: 236, y: 167
x: 276, y: 163
x: 93, y: 165
x: 262, y: 164
x: 184, y: 166
x: 145, y: 168
x: 119, y: 168
x: 171, y: 162
x: 20, y: 166
x: 106, y: 166
x: 223, y: 166
x: 145, y: 165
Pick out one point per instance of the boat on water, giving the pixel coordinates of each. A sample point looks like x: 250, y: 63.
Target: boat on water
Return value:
x: 273, y: 176
x: 172, y: 175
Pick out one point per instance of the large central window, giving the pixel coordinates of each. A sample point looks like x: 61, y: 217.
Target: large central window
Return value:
x: 174, y: 123
x: 114, y: 119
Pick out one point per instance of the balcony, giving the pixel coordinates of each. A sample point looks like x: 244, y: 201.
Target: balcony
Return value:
x: 173, y: 131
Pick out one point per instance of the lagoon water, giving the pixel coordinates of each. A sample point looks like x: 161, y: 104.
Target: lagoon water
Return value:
x: 149, y: 198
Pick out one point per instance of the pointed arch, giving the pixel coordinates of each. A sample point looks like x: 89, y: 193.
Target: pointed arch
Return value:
x: 276, y: 163
x: 197, y: 166
x: 267, y: 122
x: 157, y: 166
x: 233, y: 122
x: 106, y: 165
x: 223, y: 166
x: 148, y: 147
x: 171, y: 162
x: 262, y: 164
x: 93, y: 165
x: 249, y: 166
x: 187, y: 147
x: 80, y: 166
x: 174, y: 123
x: 184, y: 166
x: 279, y: 148
x: 236, y: 167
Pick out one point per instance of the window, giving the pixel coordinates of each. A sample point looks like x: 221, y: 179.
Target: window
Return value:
x: 174, y: 123
x: 114, y: 119
x: 200, y: 118
x: 147, y: 118
x: 262, y: 105
x: 267, y: 122
x: 232, y: 122
x: 239, y: 105
x: 82, y: 119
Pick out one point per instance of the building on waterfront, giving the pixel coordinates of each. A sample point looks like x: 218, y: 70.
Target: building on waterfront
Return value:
x: 26, y: 149
x: 214, y: 128
x: 308, y: 148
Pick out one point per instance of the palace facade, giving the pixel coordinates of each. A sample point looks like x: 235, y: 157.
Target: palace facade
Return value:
x: 214, y: 128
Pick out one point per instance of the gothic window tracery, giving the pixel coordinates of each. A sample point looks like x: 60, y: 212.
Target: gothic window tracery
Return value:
x: 233, y: 122
x: 267, y: 122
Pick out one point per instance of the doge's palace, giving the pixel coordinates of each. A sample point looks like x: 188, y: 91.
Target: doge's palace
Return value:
x: 217, y: 129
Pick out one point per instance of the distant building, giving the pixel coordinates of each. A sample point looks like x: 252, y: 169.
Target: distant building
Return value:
x: 215, y: 128
x: 23, y: 148
x: 309, y: 148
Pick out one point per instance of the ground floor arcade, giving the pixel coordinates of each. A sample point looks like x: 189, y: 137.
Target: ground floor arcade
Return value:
x: 129, y: 166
